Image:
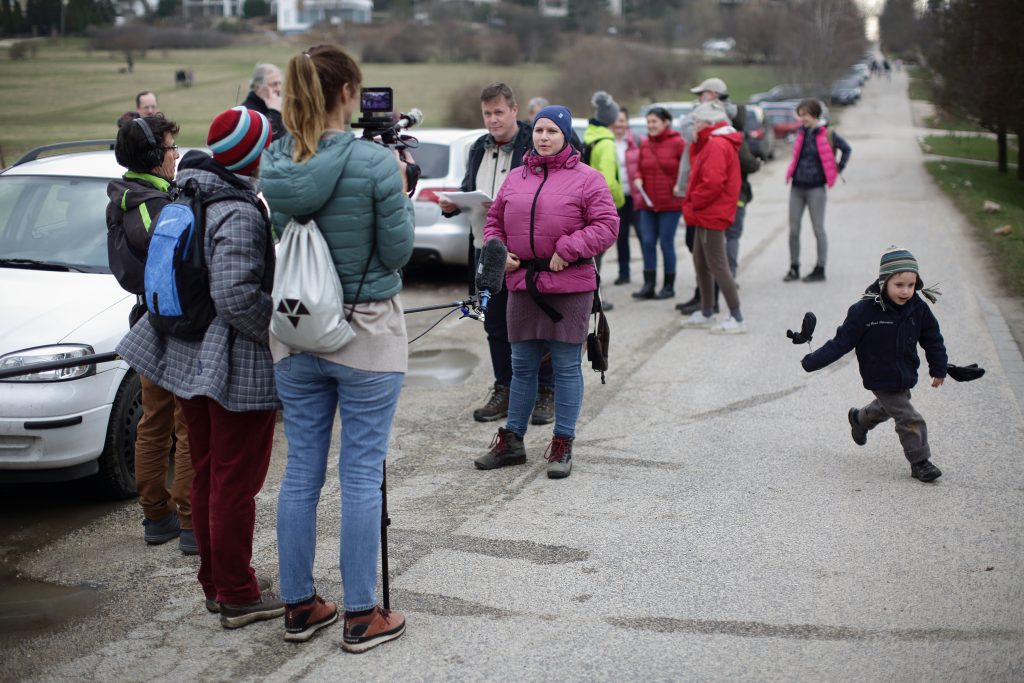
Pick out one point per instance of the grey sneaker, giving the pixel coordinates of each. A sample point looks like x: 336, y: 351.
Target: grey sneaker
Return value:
x: 506, y: 449
x: 544, y: 408
x: 157, y: 531
x: 269, y: 606
x: 213, y: 606
x: 859, y: 434
x: 559, y: 457
x: 187, y: 542
x: 496, y: 406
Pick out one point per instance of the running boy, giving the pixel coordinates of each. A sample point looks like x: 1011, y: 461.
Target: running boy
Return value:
x: 885, y: 327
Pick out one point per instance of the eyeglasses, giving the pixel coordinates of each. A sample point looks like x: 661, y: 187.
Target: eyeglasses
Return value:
x: 169, y: 148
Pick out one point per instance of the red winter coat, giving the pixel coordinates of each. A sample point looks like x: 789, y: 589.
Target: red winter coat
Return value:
x: 570, y: 210
x: 714, y: 186
x: 658, y: 168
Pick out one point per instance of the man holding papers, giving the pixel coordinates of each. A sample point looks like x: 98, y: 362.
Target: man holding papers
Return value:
x: 490, y: 159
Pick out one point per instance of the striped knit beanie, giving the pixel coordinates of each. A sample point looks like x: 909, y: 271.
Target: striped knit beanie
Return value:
x: 237, y: 137
x: 900, y: 260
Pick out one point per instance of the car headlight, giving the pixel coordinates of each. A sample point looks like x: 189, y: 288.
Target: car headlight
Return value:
x: 48, y: 354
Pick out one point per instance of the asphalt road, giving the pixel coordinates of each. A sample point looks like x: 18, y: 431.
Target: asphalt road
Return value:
x: 719, y: 523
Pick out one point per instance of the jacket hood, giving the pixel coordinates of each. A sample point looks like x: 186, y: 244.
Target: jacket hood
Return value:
x: 135, y: 188
x: 722, y: 130
x: 209, y: 173
x: 595, y: 132
x: 302, y: 188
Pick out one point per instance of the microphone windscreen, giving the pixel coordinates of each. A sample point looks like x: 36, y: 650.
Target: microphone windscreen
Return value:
x: 490, y: 272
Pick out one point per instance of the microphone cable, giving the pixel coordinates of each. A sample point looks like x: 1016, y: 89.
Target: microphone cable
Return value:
x: 439, y: 321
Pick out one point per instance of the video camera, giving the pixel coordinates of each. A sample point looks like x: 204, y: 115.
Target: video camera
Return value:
x: 381, y: 123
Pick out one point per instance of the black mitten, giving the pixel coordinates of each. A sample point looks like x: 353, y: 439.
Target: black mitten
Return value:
x: 964, y: 373
x: 806, y: 329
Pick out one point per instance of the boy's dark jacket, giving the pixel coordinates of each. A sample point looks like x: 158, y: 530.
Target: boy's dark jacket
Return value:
x: 886, y: 337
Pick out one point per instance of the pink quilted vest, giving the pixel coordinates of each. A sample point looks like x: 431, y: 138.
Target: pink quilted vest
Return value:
x: 828, y: 159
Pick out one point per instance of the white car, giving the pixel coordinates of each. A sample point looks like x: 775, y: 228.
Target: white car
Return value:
x: 60, y: 301
x: 441, y: 156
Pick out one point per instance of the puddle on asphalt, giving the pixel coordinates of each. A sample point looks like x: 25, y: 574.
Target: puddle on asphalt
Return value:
x: 28, y: 607
x: 440, y: 368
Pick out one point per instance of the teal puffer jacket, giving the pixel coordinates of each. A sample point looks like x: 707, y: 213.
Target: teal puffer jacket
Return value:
x: 353, y: 190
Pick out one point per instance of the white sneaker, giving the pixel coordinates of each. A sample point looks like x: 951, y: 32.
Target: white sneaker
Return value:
x: 698, y: 321
x: 730, y: 326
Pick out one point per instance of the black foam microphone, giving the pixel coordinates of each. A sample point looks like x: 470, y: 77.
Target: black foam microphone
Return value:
x: 490, y: 271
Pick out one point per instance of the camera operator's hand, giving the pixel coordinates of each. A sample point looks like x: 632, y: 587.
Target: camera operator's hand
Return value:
x: 405, y: 161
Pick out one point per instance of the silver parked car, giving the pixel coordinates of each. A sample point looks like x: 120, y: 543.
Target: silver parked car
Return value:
x: 441, y: 156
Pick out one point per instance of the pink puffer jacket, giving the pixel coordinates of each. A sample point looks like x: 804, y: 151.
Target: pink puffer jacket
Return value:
x: 571, y: 211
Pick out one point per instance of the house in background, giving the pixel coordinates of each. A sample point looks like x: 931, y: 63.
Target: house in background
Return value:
x: 299, y: 15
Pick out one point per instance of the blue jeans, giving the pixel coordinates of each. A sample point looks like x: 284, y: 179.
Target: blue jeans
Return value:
x: 659, y: 227
x: 568, y: 375
x: 311, y: 389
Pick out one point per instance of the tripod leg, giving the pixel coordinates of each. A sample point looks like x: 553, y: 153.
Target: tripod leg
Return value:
x: 385, y: 521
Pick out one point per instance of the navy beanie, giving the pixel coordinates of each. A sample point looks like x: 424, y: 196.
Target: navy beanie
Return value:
x: 560, y: 115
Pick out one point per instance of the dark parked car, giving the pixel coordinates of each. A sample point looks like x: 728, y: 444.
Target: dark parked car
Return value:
x: 759, y: 133
x: 845, y: 91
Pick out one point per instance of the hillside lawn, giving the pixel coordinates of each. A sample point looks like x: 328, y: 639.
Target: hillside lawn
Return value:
x: 69, y: 93
x: 970, y: 147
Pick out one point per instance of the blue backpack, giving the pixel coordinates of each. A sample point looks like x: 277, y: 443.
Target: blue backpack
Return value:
x: 177, y: 280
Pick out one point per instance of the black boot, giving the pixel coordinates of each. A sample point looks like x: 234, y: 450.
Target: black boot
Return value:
x: 647, y: 291
x: 688, y: 307
x: 816, y: 275
x: 669, y: 290
x: 793, y: 274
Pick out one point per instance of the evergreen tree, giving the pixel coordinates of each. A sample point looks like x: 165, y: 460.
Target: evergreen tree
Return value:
x: 5, y: 17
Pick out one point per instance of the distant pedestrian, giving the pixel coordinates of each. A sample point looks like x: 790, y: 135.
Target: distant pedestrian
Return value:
x: 885, y: 328
x: 265, y: 96
x: 145, y: 105
x: 599, y: 152
x: 555, y: 215
x: 712, y: 194
x: 627, y: 151
x: 658, y: 207
x: 814, y: 168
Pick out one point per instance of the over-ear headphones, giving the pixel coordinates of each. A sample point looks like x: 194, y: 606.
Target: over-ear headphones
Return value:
x: 155, y: 153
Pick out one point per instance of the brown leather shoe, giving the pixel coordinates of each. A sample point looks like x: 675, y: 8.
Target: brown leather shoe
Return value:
x: 496, y: 406
x: 370, y: 630
x: 300, y: 623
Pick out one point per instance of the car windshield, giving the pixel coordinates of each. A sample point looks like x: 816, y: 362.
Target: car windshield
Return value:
x: 55, y: 221
x: 432, y: 159
x: 752, y: 120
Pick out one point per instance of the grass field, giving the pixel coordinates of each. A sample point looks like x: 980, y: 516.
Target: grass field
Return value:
x: 69, y: 93
x: 920, y: 83
x: 969, y: 186
x: 969, y: 147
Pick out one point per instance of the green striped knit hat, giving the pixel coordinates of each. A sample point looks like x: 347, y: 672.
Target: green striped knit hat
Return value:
x: 900, y: 260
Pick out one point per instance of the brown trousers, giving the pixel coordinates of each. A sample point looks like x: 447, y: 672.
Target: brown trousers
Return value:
x: 162, y: 417
x: 910, y: 426
x: 711, y: 262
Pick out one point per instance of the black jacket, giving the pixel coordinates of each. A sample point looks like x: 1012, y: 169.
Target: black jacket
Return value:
x: 886, y: 337
x: 521, y: 145
x: 256, y: 103
x: 135, y: 202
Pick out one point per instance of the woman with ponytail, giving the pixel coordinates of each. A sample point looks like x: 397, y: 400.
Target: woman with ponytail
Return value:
x: 355, y: 190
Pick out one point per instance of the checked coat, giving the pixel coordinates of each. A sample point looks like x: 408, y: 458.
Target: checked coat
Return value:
x: 232, y: 363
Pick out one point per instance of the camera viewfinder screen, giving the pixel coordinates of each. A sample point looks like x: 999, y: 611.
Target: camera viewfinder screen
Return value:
x: 376, y: 100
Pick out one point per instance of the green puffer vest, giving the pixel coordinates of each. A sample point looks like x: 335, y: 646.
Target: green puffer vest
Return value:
x: 352, y: 189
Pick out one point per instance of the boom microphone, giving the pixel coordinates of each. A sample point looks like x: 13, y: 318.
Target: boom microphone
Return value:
x: 490, y: 272
x: 413, y: 118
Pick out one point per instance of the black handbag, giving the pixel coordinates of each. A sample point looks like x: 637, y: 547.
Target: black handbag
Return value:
x: 597, y: 341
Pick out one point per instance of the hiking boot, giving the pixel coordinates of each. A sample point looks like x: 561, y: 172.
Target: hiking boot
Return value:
x: 925, y: 471
x: 496, y: 406
x: 269, y: 606
x: 816, y: 275
x: 544, y: 408
x: 559, y: 457
x: 621, y: 280
x: 697, y: 320
x: 370, y: 630
x: 793, y: 274
x: 668, y: 291
x: 606, y: 305
x: 187, y: 542
x: 690, y: 305
x: 302, y: 621
x: 264, y: 585
x: 157, y: 531
x: 506, y: 449
x: 859, y: 434
x: 647, y: 291
x: 730, y: 326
